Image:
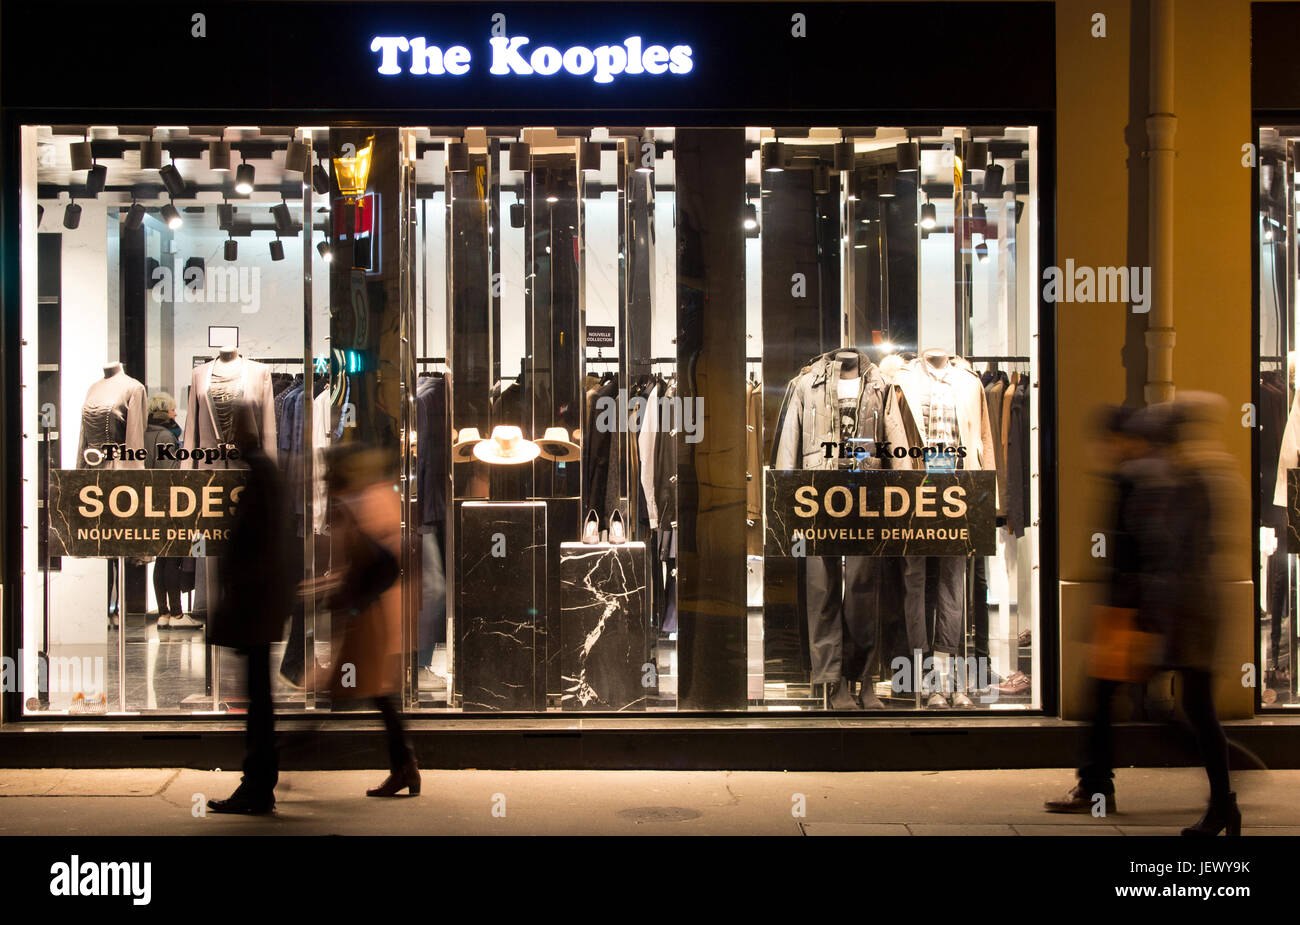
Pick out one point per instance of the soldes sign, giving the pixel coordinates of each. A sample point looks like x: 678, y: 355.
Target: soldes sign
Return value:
x: 518, y: 56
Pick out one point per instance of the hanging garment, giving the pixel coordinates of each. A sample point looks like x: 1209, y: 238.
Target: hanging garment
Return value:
x: 754, y: 469
x: 993, y: 394
x: 113, y: 414
x: 1018, y: 508
x: 432, y: 447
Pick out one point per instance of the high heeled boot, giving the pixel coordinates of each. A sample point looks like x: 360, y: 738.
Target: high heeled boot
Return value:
x: 405, y: 777
x: 1221, y: 814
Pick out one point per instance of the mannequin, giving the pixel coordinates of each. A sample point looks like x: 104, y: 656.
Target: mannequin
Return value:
x: 112, y: 415
x: 937, y: 404
x: 836, y: 404
x: 215, y: 388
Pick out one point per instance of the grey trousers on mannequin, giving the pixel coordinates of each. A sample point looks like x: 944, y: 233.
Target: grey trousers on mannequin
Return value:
x: 948, y: 608
x: 842, y: 614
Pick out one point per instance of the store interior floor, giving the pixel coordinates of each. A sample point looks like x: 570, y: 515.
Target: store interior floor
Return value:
x: 478, y: 802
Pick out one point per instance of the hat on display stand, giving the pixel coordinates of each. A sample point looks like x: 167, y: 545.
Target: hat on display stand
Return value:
x: 506, y: 447
x: 556, y: 445
x: 463, y: 443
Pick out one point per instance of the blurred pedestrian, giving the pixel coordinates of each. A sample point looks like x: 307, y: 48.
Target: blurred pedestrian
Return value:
x: 1162, y: 602
x: 366, y: 601
x: 256, y: 593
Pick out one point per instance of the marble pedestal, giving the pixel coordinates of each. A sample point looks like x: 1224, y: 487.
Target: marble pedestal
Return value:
x: 604, y: 619
x: 502, y: 602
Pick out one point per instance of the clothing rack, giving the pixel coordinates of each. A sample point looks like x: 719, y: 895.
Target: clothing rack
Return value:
x: 989, y: 359
x: 442, y: 360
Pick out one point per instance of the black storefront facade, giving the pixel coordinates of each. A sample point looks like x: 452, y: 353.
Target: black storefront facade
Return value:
x: 718, y: 212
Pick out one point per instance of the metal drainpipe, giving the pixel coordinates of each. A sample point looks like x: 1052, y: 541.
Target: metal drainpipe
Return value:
x: 1161, y: 126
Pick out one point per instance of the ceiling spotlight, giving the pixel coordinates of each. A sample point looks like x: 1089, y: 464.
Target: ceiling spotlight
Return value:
x: 888, y: 177
x: 979, y: 212
x: 861, y: 237
x: 218, y: 155
x: 982, y: 250
x: 1268, y: 232
x: 589, y: 155
x: 134, y: 216
x: 244, y: 176
x: 283, y: 220
x: 844, y: 155
x: 277, y: 250
x: 225, y: 216
x: 552, y: 198
x: 772, y: 157
x: 909, y: 157
x: 929, y: 217
x: 232, y: 249
x: 81, y: 156
x: 323, y: 248
x: 993, y: 180
x: 171, y: 216
x: 320, y: 180
x: 296, y: 157
x: 150, y: 155
x: 751, y: 216
x: 821, y: 178
x: 95, y: 179
x: 520, y: 155
x: 173, y: 180
x: 516, y: 215
x: 977, y: 155
x: 72, y: 216
x: 458, y: 157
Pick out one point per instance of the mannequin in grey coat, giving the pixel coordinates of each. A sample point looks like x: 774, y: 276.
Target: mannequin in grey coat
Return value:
x: 842, y: 593
x: 216, y: 389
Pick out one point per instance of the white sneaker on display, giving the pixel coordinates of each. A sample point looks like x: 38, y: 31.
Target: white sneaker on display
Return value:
x: 164, y: 621
x: 430, y: 680
x: 185, y: 621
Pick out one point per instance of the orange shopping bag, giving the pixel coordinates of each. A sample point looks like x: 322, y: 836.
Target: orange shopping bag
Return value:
x: 1120, y: 651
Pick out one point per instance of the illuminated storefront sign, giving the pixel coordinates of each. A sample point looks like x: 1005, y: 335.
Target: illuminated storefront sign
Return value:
x: 514, y: 55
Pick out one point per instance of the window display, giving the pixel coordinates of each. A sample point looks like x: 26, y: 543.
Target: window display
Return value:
x: 679, y: 419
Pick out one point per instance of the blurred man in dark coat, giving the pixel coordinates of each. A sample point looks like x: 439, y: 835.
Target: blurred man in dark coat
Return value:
x: 256, y: 594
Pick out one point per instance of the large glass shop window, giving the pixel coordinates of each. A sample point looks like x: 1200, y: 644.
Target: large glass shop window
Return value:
x: 678, y: 419
x: 1278, y: 416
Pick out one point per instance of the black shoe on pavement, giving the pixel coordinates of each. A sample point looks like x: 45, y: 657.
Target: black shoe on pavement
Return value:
x: 244, y: 801
x: 1080, y: 800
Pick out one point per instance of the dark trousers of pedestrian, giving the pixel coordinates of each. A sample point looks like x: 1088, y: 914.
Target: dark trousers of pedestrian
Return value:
x: 399, y: 750
x: 842, y: 616
x: 261, y: 766
x: 949, y: 603
x: 1097, y: 772
x: 977, y: 579
x: 167, y: 585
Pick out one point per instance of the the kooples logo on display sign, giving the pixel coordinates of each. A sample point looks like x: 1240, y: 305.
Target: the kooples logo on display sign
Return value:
x: 517, y: 56
x: 880, y: 512
x: 95, y: 456
x: 142, y: 512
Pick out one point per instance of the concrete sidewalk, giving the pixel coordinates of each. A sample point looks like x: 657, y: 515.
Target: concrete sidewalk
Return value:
x: 160, y: 802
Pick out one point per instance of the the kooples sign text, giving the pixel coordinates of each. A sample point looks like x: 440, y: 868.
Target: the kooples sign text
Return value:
x: 880, y: 512
x: 142, y: 512
x: 518, y: 56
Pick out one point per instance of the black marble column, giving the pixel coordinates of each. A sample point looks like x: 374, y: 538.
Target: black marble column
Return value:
x: 604, y: 616
x: 501, y: 602
x: 711, y: 578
